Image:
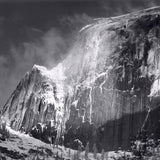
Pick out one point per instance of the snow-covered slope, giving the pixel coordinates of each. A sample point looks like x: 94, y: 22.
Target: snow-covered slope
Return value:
x: 22, y: 146
x: 103, y: 91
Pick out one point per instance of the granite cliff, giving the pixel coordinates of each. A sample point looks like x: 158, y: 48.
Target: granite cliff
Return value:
x: 105, y: 92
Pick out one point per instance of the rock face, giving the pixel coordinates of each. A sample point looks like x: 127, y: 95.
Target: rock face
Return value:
x: 36, y: 100
x: 104, y: 92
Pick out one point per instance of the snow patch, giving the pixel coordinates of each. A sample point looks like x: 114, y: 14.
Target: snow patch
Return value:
x: 155, y: 89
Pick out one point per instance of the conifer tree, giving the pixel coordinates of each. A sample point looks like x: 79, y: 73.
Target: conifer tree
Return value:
x: 79, y: 151
x: 95, y: 151
x: 102, y: 154
x: 86, y: 151
x: 106, y: 156
x: 69, y: 153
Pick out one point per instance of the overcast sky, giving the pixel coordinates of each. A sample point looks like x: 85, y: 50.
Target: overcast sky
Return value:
x: 41, y: 32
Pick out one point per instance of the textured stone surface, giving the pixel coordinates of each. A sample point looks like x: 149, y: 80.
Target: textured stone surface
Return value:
x: 104, y: 92
x: 36, y: 100
x: 117, y: 82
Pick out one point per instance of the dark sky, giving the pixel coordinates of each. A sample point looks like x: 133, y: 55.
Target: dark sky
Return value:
x: 41, y: 32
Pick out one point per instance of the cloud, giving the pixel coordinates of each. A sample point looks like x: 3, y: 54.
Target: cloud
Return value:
x: 117, y: 7
x: 76, y: 21
x: 45, y: 48
x: 23, y: 46
x: 47, y: 51
x: 12, y: 1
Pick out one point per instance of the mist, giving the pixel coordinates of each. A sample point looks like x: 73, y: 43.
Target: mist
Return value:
x: 44, y: 33
x: 119, y: 7
x: 46, y: 48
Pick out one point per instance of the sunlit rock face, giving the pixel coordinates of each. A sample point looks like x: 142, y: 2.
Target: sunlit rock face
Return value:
x: 36, y: 100
x: 104, y: 92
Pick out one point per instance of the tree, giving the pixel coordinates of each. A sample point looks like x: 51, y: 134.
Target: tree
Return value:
x: 95, y: 151
x: 102, y: 154
x: 69, y: 153
x: 4, y: 133
x: 79, y: 151
x: 86, y: 151
x: 107, y: 157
